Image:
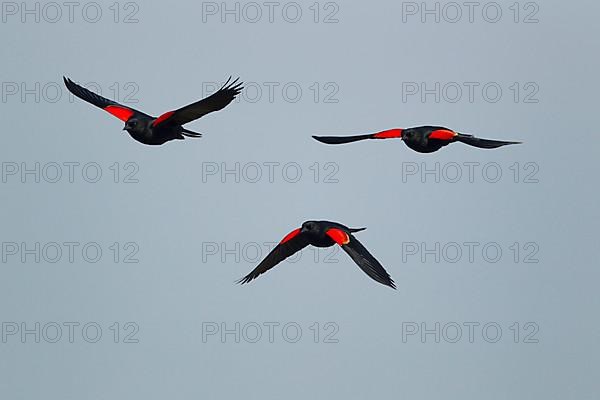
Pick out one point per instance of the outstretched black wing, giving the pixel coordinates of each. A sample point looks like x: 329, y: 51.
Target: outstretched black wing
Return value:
x: 118, y: 110
x: 291, y: 244
x: 388, y: 134
x: 367, y: 262
x: 482, y: 143
x: 361, y: 256
x: 215, y: 102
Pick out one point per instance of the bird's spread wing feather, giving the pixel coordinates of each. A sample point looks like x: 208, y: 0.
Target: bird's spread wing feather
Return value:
x: 361, y: 256
x: 214, y: 102
x: 388, y: 134
x: 118, y: 110
x: 291, y: 244
x: 483, y: 143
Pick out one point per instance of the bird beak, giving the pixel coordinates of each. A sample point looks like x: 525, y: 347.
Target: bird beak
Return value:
x: 125, y: 128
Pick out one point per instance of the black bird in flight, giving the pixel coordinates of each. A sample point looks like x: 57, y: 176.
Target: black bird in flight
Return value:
x: 424, y: 139
x: 169, y: 126
x: 323, y: 234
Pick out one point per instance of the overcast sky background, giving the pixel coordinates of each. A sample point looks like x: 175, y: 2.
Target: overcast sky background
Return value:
x: 175, y: 213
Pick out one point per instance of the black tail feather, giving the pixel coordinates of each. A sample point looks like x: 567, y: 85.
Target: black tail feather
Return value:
x: 190, y: 134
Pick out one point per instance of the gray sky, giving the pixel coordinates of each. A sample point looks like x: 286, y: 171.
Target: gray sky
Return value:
x: 505, y: 260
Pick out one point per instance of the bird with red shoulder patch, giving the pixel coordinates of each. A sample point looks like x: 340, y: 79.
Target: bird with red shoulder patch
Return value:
x: 323, y: 234
x: 423, y: 139
x: 168, y: 126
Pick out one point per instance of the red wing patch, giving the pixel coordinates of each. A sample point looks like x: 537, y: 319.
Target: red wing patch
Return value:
x: 163, y: 118
x: 290, y: 236
x: 122, y: 113
x: 442, y: 134
x: 389, y: 134
x: 338, y: 236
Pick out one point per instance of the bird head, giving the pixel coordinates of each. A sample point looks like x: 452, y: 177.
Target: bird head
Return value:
x: 309, y: 227
x: 408, y: 134
x: 132, y: 125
